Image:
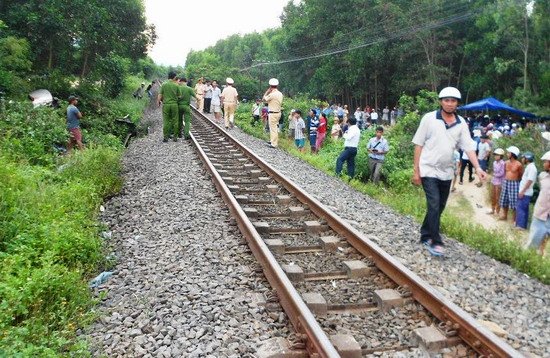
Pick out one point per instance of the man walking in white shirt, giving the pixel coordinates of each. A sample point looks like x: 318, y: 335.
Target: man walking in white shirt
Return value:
x: 352, y: 136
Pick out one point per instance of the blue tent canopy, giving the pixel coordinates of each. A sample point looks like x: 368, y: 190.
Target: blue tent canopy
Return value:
x: 493, y: 104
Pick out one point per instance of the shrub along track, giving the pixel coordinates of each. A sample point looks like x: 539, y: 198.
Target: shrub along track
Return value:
x: 311, y: 246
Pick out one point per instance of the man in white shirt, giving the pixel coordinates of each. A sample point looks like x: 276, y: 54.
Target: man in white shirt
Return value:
x: 436, y: 138
x: 351, y: 136
x: 525, y: 193
x: 374, y: 117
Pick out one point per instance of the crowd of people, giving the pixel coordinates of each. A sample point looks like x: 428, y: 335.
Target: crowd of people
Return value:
x: 445, y: 145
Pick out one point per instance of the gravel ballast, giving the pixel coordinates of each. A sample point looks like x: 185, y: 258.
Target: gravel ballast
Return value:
x: 183, y: 282
x: 482, y: 286
x: 185, y: 285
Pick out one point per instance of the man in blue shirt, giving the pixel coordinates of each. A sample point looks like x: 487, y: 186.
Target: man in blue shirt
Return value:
x: 377, y: 148
x: 73, y: 125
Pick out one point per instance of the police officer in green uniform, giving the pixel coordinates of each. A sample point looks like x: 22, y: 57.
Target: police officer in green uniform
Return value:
x: 184, y: 106
x: 168, y: 95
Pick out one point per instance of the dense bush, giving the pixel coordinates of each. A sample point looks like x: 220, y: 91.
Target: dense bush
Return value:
x: 50, y: 243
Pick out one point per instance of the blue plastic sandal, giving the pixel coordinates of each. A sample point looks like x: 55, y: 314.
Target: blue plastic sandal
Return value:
x: 436, y: 250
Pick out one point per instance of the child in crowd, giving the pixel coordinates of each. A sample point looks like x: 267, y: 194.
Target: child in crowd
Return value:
x: 496, y: 182
x: 336, y: 130
x: 256, y: 111
x: 299, y: 127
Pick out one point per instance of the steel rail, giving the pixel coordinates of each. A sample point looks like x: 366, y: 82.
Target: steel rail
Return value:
x: 473, y: 333
x: 317, y: 342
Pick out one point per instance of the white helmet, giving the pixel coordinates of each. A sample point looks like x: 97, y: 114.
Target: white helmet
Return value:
x: 273, y: 82
x: 450, y: 92
x: 229, y: 81
x: 514, y: 150
x: 546, y: 156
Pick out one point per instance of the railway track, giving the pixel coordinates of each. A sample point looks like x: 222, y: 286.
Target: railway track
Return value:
x: 342, y: 293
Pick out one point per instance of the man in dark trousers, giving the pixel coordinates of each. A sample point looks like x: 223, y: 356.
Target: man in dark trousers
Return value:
x: 184, y: 107
x: 168, y: 96
x: 436, y: 138
x: 351, y: 136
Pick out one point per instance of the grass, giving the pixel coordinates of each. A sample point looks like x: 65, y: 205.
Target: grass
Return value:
x: 411, y: 201
x: 50, y: 243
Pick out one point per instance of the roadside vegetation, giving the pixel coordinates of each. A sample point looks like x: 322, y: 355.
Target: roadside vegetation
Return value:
x: 397, y: 190
x: 50, y: 238
x: 381, y: 49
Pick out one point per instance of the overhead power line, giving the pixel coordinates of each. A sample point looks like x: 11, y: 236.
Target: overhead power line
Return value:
x: 416, y: 14
x: 372, y: 41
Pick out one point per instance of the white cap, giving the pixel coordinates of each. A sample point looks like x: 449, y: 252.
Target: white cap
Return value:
x: 229, y: 81
x: 506, y: 127
x: 546, y: 135
x: 514, y: 125
x: 499, y: 151
x: 513, y: 149
x: 273, y: 82
x: 450, y: 92
x: 496, y: 134
x: 546, y: 156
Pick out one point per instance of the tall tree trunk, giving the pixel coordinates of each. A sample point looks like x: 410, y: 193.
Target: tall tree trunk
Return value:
x: 460, y: 69
x: 50, y: 56
x: 84, y: 65
x: 376, y: 89
x: 428, y: 46
x: 525, y: 54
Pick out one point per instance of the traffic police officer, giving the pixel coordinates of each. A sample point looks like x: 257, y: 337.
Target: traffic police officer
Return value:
x: 199, y: 90
x: 168, y: 96
x: 274, y: 99
x: 229, y: 100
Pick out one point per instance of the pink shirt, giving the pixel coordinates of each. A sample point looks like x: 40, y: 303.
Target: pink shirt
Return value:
x: 499, y: 172
x: 542, y: 206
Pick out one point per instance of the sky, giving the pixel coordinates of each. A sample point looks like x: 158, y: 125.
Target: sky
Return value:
x: 184, y: 25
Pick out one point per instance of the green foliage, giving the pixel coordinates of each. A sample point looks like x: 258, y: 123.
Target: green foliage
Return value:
x: 14, y: 62
x: 113, y: 69
x: 50, y: 242
x: 494, y: 48
x: 14, y: 54
x: 30, y: 135
x: 97, y: 40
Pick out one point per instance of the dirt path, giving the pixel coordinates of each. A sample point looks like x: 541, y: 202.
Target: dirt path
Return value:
x: 472, y: 203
